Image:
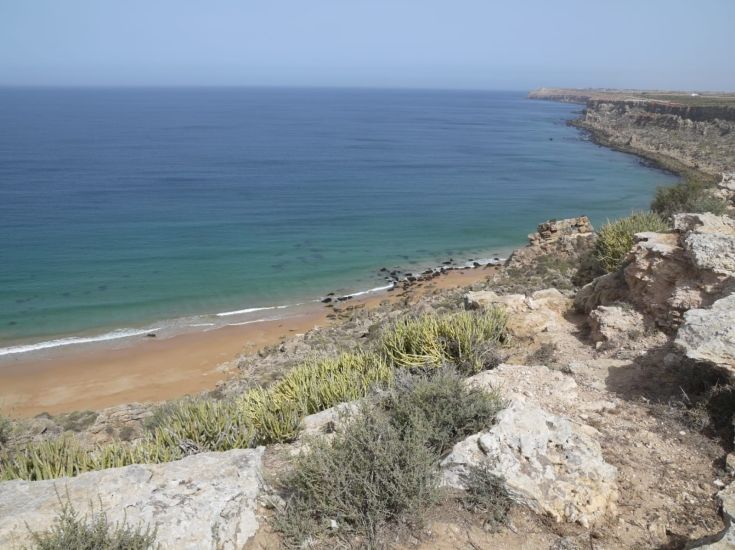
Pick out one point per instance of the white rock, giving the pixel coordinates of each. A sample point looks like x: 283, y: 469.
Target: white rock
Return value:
x: 709, y: 334
x: 549, y: 464
x: 202, y: 501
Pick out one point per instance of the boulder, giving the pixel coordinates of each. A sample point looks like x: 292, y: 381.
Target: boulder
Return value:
x: 568, y: 238
x: 615, y: 326
x: 548, y: 388
x: 549, y: 464
x: 528, y: 315
x: 708, y: 335
x: 202, y: 501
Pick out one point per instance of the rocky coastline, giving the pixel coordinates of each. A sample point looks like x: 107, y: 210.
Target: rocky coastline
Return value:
x: 691, y: 134
x: 616, y: 426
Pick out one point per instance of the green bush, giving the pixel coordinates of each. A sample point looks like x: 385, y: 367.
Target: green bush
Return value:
x: 370, y: 474
x: 5, y: 428
x: 449, y: 409
x: 688, y: 196
x: 260, y: 416
x: 615, y: 239
x: 486, y: 494
x: 466, y: 339
x: 73, y: 531
x: 382, y: 468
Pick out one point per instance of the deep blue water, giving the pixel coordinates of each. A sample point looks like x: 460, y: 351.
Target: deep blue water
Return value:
x: 120, y: 207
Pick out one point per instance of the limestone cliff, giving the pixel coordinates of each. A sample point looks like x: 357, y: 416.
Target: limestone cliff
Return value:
x: 680, y: 131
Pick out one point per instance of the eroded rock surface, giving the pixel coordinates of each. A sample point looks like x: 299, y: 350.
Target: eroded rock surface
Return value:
x: 709, y: 334
x: 568, y: 238
x: 548, y: 463
x: 528, y: 315
x: 202, y: 501
x: 667, y: 274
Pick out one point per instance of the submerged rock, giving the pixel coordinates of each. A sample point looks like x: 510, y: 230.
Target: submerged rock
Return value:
x: 203, y: 501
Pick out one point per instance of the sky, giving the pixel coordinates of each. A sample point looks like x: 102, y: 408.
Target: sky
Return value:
x: 466, y: 44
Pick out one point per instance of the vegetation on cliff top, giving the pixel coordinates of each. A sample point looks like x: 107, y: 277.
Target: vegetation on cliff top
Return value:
x: 273, y: 414
x: 687, y: 196
x: 393, y: 449
x: 616, y: 238
x: 71, y: 530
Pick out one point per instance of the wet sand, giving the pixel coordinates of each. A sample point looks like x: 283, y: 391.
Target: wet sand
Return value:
x: 150, y: 369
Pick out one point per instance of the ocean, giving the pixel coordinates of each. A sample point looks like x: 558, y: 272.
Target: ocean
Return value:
x: 128, y: 210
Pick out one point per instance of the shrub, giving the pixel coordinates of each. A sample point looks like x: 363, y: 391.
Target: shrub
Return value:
x: 382, y: 468
x: 66, y: 457
x: 260, y: 416
x: 449, y: 409
x: 370, y: 474
x: 70, y: 530
x: 486, y: 494
x: 321, y: 384
x: 465, y: 339
x: 616, y: 238
x: 5, y: 428
x: 76, y: 421
x: 203, y: 424
x: 688, y: 196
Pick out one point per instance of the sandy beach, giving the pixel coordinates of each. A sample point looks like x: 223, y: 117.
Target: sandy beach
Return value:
x: 150, y: 369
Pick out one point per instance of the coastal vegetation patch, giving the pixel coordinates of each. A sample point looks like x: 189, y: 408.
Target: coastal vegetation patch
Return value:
x: 273, y: 414
x: 616, y: 238
x: 74, y: 530
x: 393, y: 448
x: 687, y: 196
x: 465, y: 339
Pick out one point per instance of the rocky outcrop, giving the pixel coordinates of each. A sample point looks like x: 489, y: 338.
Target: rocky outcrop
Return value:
x: 667, y: 274
x: 549, y: 464
x: 726, y: 190
x: 529, y: 315
x: 708, y: 335
x: 698, y: 137
x: 568, y: 238
x: 615, y: 326
x: 203, y: 501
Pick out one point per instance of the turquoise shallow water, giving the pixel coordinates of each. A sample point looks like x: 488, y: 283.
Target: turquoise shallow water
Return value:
x: 120, y: 208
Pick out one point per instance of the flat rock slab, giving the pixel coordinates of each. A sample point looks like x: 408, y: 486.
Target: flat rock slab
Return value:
x: 709, y: 334
x: 549, y: 464
x: 202, y: 501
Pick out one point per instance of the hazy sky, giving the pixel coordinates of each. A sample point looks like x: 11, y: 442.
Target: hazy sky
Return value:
x: 513, y: 44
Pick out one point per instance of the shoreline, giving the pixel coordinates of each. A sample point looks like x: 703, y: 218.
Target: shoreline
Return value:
x: 159, y: 369
x: 657, y: 161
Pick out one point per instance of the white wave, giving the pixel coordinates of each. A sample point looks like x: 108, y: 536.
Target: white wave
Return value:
x: 370, y: 291
x: 247, y: 322
x: 250, y: 310
x: 202, y: 325
x: 114, y: 335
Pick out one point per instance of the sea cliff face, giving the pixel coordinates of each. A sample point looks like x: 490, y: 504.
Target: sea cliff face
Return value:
x: 681, y: 132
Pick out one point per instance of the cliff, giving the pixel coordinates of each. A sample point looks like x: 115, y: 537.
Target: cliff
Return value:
x: 681, y: 132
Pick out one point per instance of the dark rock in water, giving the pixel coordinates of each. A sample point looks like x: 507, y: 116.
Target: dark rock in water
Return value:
x: 326, y: 300
x: 151, y: 335
x: 383, y: 269
x: 343, y: 298
x: 330, y: 294
x: 448, y: 262
x: 411, y: 279
x: 427, y: 272
x: 476, y: 264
